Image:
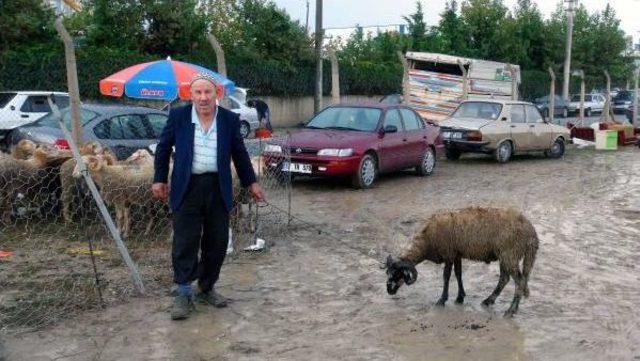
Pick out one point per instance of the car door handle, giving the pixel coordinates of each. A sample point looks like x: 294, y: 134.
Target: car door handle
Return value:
x: 513, y: 126
x: 424, y: 137
x: 532, y: 126
x: 24, y: 115
x: 404, y: 139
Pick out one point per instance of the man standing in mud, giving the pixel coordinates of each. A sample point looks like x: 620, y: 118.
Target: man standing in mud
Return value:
x: 206, y: 137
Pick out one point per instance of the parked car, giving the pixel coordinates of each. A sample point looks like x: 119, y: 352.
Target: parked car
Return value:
x: 593, y: 103
x: 622, y: 101
x: 123, y: 129
x: 18, y: 108
x: 560, y: 107
x: 502, y: 128
x: 248, y: 116
x: 358, y: 141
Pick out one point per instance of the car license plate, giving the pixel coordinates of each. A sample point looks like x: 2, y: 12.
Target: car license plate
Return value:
x: 296, y: 167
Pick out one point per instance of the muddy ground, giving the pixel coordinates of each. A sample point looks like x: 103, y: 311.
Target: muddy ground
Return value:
x: 316, y: 295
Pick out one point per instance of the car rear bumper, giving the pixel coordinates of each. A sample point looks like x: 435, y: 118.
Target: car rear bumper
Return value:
x: 320, y: 166
x: 620, y: 108
x: 467, y: 146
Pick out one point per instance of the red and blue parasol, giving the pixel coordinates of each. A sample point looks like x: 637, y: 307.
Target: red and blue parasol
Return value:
x: 163, y: 80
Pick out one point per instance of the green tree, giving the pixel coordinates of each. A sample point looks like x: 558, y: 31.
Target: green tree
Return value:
x: 452, y: 36
x: 270, y: 33
x: 528, y: 48
x: 417, y: 29
x: 483, y: 21
x: 25, y: 23
x: 172, y: 27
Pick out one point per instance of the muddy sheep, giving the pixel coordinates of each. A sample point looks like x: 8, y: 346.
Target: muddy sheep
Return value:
x: 479, y: 234
x: 31, y: 179
x: 70, y: 190
x: 122, y: 186
x: 24, y: 149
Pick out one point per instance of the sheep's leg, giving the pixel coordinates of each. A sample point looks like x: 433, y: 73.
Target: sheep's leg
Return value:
x: 504, y: 279
x: 126, y: 221
x: 445, y: 290
x: 519, y: 281
x: 119, y: 220
x: 457, y: 267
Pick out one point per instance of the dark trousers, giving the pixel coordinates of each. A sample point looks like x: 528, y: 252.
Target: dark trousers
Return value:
x: 201, y: 223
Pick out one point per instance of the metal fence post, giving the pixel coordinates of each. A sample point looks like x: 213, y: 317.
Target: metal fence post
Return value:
x: 552, y: 96
x: 133, y: 269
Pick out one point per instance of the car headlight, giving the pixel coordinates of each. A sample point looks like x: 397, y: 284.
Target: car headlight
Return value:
x: 272, y: 148
x: 336, y: 152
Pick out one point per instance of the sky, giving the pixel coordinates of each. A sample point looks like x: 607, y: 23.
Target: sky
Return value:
x: 348, y: 13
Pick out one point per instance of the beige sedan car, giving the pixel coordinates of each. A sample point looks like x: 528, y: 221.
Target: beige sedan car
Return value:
x: 502, y: 128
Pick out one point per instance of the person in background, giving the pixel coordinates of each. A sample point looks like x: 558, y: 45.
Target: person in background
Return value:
x: 263, y: 112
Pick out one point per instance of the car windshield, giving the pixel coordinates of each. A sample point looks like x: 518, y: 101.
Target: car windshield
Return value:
x: 482, y: 110
x: 347, y: 118
x: 624, y: 95
x: 50, y: 121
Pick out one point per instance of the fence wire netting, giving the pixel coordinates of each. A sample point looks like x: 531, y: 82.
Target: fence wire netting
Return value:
x: 57, y: 255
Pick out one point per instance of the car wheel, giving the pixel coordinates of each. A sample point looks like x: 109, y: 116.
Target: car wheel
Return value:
x: 557, y: 149
x: 587, y: 112
x: 245, y: 128
x: 452, y: 154
x: 504, y: 151
x: 427, y: 163
x: 367, y: 172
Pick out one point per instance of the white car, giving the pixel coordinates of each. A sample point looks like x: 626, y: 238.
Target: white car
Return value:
x: 593, y: 103
x: 20, y: 108
x: 248, y: 116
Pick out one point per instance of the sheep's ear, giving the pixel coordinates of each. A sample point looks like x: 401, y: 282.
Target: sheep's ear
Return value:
x: 410, y: 275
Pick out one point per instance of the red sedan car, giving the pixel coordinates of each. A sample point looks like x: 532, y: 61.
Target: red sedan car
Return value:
x: 359, y: 141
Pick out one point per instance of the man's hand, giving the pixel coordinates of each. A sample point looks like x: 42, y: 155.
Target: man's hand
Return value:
x: 160, y: 191
x: 256, y: 192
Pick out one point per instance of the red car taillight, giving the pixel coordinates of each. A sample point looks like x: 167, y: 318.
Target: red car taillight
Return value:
x: 62, y: 144
x: 474, y: 135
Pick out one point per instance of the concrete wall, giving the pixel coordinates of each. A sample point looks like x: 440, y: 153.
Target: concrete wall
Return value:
x: 287, y: 112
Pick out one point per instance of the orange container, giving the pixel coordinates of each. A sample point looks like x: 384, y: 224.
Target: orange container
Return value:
x: 263, y: 133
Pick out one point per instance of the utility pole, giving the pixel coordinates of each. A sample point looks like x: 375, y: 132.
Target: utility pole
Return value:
x: 567, y: 54
x: 317, y: 100
x: 306, y: 25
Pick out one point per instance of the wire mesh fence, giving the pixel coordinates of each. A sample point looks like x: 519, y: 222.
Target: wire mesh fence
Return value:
x: 57, y: 256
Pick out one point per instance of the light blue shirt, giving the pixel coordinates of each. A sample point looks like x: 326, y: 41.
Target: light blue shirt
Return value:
x: 205, y: 145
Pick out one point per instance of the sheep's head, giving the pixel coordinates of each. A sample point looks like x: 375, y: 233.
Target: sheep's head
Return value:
x: 93, y: 162
x: 91, y: 148
x: 140, y: 157
x: 24, y: 149
x: 399, y: 272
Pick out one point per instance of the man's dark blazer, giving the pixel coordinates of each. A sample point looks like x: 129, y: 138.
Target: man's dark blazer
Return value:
x: 179, y: 132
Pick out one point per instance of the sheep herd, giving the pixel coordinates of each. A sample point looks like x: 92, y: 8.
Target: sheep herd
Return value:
x: 33, y: 173
x: 48, y: 180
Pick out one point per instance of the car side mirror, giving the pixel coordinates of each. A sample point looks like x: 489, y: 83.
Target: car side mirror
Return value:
x: 390, y: 129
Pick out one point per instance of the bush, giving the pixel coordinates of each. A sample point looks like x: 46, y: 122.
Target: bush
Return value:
x: 42, y: 67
